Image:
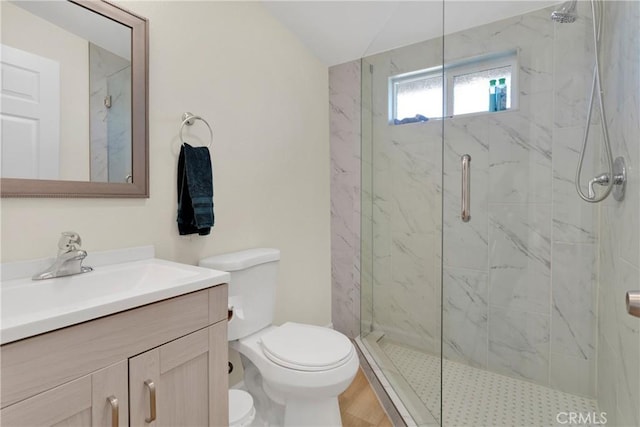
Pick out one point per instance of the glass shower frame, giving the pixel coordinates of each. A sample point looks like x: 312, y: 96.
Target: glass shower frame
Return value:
x: 520, y: 284
x: 400, y: 236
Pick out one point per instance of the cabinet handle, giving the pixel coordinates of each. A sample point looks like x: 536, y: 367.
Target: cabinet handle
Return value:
x: 115, y: 411
x: 466, y: 188
x: 152, y: 400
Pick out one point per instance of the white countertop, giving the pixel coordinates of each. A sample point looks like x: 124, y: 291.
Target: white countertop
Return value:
x: 32, y: 307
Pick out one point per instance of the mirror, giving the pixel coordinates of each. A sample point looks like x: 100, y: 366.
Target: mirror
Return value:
x: 74, y: 100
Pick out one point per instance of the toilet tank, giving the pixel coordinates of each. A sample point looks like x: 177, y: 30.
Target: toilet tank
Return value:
x: 252, y: 287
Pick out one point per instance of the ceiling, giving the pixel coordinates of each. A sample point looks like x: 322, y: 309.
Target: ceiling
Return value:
x: 341, y: 31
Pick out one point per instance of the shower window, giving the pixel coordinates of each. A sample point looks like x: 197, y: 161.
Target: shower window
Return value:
x: 418, y: 95
x: 470, y: 89
x: 466, y: 90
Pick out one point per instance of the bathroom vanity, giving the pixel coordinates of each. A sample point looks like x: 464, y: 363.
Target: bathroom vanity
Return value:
x: 160, y: 361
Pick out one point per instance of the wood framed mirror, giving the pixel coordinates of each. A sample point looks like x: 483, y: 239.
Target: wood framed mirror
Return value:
x: 95, y: 60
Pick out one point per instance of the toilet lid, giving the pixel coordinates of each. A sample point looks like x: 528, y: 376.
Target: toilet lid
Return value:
x: 306, y: 347
x: 240, y: 407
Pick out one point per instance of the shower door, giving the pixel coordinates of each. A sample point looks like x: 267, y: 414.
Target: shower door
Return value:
x: 503, y: 304
x: 534, y: 326
x: 401, y: 231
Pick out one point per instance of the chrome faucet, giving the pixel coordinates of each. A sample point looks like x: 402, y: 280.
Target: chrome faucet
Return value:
x: 70, y: 257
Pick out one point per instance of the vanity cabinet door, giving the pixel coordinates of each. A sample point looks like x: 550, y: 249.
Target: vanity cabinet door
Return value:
x: 91, y: 400
x: 110, y: 396
x: 182, y: 383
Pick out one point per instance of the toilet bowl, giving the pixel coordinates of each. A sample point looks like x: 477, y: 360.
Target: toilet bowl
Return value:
x: 297, y: 372
x: 302, y: 368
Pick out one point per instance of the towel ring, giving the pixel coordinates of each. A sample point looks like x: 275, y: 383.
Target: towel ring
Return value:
x: 189, y: 119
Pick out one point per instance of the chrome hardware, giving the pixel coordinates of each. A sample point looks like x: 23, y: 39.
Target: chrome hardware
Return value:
x: 152, y: 400
x: 115, y: 411
x: 128, y: 179
x: 107, y: 101
x: 633, y: 303
x: 189, y: 119
x: 69, y: 260
x: 466, y: 185
x: 600, y: 180
x: 619, y: 180
x: 69, y: 241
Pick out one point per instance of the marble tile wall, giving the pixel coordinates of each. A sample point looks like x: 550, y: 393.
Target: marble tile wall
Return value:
x: 119, y: 125
x: 110, y: 128
x: 406, y: 164
x: 618, y: 350
x: 520, y: 281
x: 344, y: 114
x: 514, y: 274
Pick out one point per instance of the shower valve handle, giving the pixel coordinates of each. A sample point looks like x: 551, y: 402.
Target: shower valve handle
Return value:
x: 603, y: 180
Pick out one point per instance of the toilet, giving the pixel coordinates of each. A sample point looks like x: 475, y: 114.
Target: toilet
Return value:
x: 294, y: 372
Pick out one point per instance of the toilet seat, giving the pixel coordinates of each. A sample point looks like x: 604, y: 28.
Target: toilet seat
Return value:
x: 306, y: 348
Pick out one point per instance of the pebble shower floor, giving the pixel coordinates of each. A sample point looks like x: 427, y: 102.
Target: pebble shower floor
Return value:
x: 476, y: 397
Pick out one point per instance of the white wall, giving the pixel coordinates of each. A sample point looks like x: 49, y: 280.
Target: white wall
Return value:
x: 266, y: 98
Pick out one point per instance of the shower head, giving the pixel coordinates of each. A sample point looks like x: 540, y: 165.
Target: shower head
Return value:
x: 567, y: 13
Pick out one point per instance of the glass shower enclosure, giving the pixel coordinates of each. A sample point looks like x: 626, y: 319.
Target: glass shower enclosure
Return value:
x: 491, y: 294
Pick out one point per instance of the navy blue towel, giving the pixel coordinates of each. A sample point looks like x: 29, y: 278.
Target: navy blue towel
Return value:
x: 416, y: 119
x: 195, y: 191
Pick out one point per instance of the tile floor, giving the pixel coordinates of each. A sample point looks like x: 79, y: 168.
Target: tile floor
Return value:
x: 476, y: 397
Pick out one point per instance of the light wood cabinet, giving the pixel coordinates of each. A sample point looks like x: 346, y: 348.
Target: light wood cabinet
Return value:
x: 93, y: 401
x: 67, y: 377
x: 179, y: 383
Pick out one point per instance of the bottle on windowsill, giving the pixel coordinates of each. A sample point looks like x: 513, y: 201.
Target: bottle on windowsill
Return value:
x: 492, y: 95
x: 501, y: 95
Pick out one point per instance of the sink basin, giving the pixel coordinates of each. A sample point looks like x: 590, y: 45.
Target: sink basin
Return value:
x: 33, y: 307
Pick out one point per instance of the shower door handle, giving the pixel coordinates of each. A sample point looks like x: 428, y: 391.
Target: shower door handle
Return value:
x: 633, y: 303
x: 466, y: 187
